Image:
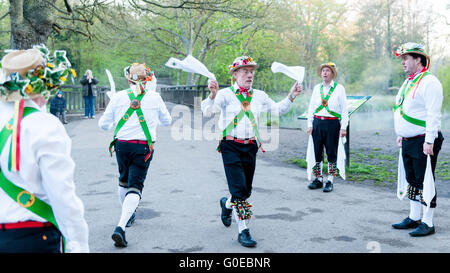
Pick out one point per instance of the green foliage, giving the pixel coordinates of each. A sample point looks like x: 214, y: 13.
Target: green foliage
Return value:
x: 444, y: 77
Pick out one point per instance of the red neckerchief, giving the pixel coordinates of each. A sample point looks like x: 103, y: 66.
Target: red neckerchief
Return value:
x: 412, y: 76
x: 242, y: 89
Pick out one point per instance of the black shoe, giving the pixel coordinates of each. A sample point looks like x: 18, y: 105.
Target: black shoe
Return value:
x: 406, y: 224
x: 328, y: 187
x: 226, y: 213
x: 246, y: 239
x: 422, y: 230
x: 131, y: 220
x: 119, y: 237
x: 316, y: 184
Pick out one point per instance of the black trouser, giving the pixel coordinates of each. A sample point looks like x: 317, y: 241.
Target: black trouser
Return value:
x: 325, y: 133
x: 132, y: 165
x: 30, y: 240
x: 415, y: 163
x: 239, y: 161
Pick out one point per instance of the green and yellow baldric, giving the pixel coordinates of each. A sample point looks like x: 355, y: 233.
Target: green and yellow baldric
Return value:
x: 324, y: 103
x: 135, y: 106
x: 405, y: 90
x: 245, y: 103
x: 24, y: 198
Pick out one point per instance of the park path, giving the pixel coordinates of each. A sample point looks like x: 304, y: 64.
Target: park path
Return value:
x: 180, y: 212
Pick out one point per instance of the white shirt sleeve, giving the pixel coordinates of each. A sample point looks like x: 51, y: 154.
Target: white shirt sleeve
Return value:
x: 280, y: 108
x: 208, y: 104
x: 52, y: 149
x: 106, y: 121
x: 312, y: 106
x: 164, y: 116
x: 433, y: 97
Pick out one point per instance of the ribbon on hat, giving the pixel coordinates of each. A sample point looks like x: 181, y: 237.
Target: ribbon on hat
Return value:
x: 14, y: 156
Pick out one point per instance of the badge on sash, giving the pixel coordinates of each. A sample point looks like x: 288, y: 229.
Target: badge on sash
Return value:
x: 135, y: 104
x: 324, y: 103
x: 245, y: 105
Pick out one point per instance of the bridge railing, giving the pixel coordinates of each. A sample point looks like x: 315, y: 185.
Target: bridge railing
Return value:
x: 185, y: 94
x: 75, y: 101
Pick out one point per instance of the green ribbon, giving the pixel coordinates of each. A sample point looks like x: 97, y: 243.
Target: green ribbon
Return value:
x: 326, y: 98
x: 18, y: 194
x: 405, y: 90
x: 141, y: 119
x: 240, y: 115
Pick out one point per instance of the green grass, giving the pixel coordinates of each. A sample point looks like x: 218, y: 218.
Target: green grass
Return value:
x: 374, y: 166
x: 443, y: 169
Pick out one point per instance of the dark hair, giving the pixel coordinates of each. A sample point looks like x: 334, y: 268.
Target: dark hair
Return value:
x: 423, y: 59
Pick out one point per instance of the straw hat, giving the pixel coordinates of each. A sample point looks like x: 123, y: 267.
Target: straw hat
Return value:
x: 22, y: 61
x: 138, y: 72
x: 330, y: 65
x: 241, y: 62
x: 30, y: 73
x: 410, y: 47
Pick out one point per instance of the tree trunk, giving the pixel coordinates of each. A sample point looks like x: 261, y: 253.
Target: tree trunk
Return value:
x: 31, y: 23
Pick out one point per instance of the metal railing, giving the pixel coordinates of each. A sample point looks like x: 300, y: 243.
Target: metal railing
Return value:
x: 75, y: 101
x: 185, y: 94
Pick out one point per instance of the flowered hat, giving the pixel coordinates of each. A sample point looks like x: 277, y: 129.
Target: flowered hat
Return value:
x: 330, y: 65
x: 26, y: 74
x: 241, y: 62
x: 412, y: 48
x: 138, y: 72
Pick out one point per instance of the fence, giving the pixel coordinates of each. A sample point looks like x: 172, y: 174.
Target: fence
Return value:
x: 185, y: 94
x: 75, y: 101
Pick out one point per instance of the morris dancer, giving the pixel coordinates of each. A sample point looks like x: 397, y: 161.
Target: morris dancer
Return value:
x: 417, y: 123
x: 327, y: 121
x: 135, y: 113
x: 40, y: 211
x: 240, y: 104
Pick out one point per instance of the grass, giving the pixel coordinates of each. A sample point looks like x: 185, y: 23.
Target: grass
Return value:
x: 377, y: 167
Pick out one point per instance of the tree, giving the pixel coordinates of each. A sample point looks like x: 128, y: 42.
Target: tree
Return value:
x: 196, y: 27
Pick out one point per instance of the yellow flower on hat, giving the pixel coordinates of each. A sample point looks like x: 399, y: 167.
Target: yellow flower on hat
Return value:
x: 63, y: 79
x: 29, y: 89
x: 50, y: 65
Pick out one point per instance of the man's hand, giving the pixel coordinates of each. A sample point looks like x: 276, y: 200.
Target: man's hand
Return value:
x: 399, y: 141
x: 428, y: 148
x: 309, y: 131
x: 213, y: 87
x: 296, y: 89
x: 343, y: 133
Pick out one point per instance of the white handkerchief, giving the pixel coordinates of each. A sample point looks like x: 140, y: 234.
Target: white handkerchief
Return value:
x: 310, y: 157
x: 178, y: 64
x: 429, y: 190
x: 295, y: 72
x: 402, y: 184
x: 195, y: 65
x: 111, y: 84
x: 340, y: 164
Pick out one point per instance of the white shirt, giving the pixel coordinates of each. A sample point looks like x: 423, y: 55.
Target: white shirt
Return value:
x: 46, y: 170
x: 336, y: 103
x: 153, y: 108
x: 424, y: 103
x: 230, y: 106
